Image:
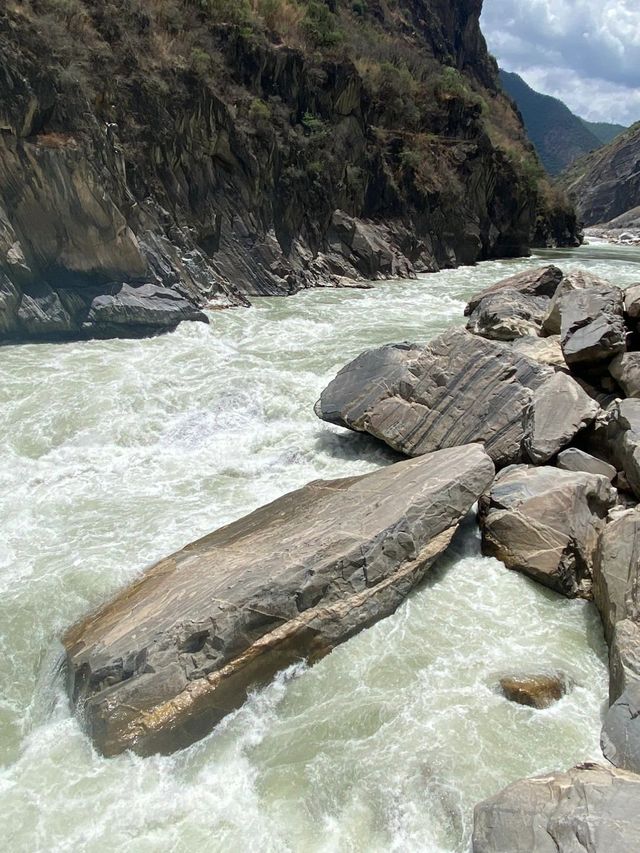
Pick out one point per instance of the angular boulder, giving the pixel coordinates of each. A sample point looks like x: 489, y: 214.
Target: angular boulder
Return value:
x: 508, y: 314
x: 574, y: 280
x: 592, y: 328
x: 616, y: 435
x: 632, y: 301
x: 545, y: 350
x: 143, y: 306
x: 591, y: 808
x: 625, y: 369
x: 460, y: 388
x: 545, y: 523
x: 620, y: 738
x: 616, y: 574
x: 155, y: 668
x: 542, y: 281
x: 558, y: 410
x: 573, y: 459
x: 536, y: 691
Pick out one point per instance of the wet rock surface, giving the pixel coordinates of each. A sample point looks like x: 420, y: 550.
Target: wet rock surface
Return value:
x: 159, y: 665
x: 590, y: 808
x: 545, y: 523
x: 536, y: 691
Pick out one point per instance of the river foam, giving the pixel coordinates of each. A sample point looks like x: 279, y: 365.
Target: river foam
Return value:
x: 115, y: 453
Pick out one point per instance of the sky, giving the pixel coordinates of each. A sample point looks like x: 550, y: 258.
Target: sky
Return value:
x: 585, y: 52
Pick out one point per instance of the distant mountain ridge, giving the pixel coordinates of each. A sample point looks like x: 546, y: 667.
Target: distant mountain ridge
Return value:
x: 605, y: 184
x: 559, y: 136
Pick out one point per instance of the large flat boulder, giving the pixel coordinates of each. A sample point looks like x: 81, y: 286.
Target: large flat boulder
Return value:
x: 620, y: 738
x: 558, y: 411
x: 589, y: 809
x: 460, y: 388
x: 592, y: 327
x: 541, y: 281
x: 142, y: 306
x: 571, y: 281
x: 545, y: 523
x: 616, y: 573
x: 167, y: 658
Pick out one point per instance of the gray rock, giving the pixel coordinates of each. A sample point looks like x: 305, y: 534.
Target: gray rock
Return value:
x: 145, y: 306
x: 558, y: 410
x: 620, y: 738
x: 632, y: 301
x: 616, y: 575
x: 536, y: 691
x: 592, y: 325
x: 591, y: 808
x: 9, y: 301
x: 616, y: 435
x: 41, y: 312
x: 542, y: 281
x: 508, y: 314
x: 624, y: 657
x: 167, y: 658
x: 573, y: 459
x: 545, y: 523
x: 460, y: 388
x: 625, y: 369
x: 574, y: 280
x: 545, y: 350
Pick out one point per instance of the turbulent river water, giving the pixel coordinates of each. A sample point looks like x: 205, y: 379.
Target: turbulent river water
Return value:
x: 115, y: 453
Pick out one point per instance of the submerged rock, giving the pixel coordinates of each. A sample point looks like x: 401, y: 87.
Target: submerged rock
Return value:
x: 536, y: 691
x: 167, y: 658
x: 620, y: 739
x: 545, y: 523
x: 458, y: 389
x: 589, y: 809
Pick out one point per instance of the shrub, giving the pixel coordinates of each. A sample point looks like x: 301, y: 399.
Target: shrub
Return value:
x: 321, y: 25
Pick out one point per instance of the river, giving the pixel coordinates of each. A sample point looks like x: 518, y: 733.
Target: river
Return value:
x: 115, y: 453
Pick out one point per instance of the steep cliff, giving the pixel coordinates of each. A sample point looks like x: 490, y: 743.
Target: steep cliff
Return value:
x: 158, y: 156
x: 606, y: 184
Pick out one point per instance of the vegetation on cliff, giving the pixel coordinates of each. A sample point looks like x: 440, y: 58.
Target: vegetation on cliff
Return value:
x: 225, y: 149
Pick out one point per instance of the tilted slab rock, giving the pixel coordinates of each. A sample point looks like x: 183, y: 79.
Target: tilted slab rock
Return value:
x: 616, y: 435
x: 591, y: 808
x: 545, y: 350
x: 574, y: 280
x: 508, y: 314
x: 573, y: 459
x: 592, y: 327
x: 620, y: 738
x: 624, y: 657
x: 460, y: 388
x: 625, y: 369
x: 616, y: 575
x: 167, y: 658
x: 542, y: 281
x: 545, y: 523
x: 632, y: 301
x: 146, y: 305
x: 558, y: 410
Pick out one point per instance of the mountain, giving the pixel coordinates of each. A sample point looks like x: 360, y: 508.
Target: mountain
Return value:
x: 559, y: 136
x: 606, y: 184
x: 159, y: 157
x: 604, y: 131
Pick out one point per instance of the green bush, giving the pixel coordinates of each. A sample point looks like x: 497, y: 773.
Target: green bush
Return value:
x: 320, y: 25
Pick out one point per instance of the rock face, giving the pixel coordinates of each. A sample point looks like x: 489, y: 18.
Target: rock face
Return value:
x: 545, y: 350
x: 616, y: 586
x: 624, y: 657
x: 606, y: 184
x: 573, y: 459
x: 159, y: 665
x: 225, y: 153
x: 625, y: 369
x: 589, y: 808
x: 616, y: 435
x: 536, y: 691
x: 632, y: 301
x: 558, y: 410
x: 458, y: 389
x: 592, y: 325
x: 545, y: 523
x: 620, y: 738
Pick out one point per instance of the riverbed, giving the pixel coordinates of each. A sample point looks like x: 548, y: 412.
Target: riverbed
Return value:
x: 115, y: 453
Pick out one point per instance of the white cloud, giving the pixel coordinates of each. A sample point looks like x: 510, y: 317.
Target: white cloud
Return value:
x: 587, y: 52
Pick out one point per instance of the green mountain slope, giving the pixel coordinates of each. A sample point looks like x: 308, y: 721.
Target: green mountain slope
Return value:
x: 603, y: 130
x: 559, y: 136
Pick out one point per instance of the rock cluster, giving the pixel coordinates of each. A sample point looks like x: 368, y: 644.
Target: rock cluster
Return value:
x: 546, y: 376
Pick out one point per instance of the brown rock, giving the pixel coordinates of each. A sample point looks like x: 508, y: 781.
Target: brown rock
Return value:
x: 537, y: 691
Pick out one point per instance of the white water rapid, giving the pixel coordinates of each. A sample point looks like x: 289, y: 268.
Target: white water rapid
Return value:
x: 115, y: 453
